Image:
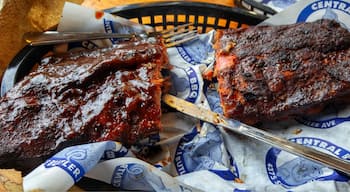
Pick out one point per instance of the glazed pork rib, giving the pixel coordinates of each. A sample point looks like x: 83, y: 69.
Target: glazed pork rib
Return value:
x: 274, y: 72
x: 105, y: 94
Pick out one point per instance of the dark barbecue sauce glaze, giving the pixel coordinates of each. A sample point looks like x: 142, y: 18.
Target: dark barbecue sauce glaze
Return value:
x: 105, y: 94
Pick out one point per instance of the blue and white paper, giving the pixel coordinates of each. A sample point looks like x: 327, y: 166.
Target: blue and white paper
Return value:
x: 196, y: 156
x: 67, y: 167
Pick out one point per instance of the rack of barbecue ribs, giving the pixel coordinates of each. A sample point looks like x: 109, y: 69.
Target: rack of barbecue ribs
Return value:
x: 105, y: 94
x: 274, y: 72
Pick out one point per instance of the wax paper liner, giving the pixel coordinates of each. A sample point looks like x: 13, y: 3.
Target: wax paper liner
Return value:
x: 194, y: 155
x: 68, y: 166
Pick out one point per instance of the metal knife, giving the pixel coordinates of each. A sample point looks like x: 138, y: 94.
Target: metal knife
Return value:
x: 241, y: 128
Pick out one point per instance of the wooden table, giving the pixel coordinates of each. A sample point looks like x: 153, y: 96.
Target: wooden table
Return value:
x: 104, y: 4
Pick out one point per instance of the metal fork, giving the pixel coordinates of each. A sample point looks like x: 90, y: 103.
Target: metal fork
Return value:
x: 172, y: 37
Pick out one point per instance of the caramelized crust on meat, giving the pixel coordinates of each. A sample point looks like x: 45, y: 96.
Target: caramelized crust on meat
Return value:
x: 274, y: 72
x: 106, y: 94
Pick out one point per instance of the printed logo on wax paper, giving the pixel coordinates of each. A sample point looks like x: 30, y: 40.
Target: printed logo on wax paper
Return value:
x: 78, y: 46
x: 137, y: 177
x: 69, y: 164
x: 202, y: 153
x: 323, y: 124
x: 109, y: 28
x: 185, y: 83
x: 290, y: 171
x: 75, y: 46
x: 198, y: 51
x: 112, y: 154
x: 332, y: 116
x: 336, y: 10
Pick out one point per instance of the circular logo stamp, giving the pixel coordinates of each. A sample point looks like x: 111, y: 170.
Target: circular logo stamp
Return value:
x: 198, y: 51
x: 335, y: 10
x: 290, y: 171
x: 186, y: 83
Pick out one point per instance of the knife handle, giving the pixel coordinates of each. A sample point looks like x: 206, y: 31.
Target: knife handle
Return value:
x: 258, y: 134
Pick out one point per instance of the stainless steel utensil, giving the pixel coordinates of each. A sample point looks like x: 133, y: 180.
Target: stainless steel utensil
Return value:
x: 172, y: 37
x: 258, y: 134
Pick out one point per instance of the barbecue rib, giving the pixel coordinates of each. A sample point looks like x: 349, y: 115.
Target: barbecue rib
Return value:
x: 275, y: 72
x: 105, y: 94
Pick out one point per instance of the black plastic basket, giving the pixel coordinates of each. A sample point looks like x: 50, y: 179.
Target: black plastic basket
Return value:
x: 257, y: 7
x: 161, y: 15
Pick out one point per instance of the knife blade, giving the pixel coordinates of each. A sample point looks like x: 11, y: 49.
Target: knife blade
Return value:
x: 258, y: 134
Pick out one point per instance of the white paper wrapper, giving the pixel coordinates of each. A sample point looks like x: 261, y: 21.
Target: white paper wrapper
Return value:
x: 79, y: 19
x: 196, y: 156
x: 127, y: 173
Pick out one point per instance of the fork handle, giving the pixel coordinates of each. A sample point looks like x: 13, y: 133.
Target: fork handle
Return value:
x: 55, y: 37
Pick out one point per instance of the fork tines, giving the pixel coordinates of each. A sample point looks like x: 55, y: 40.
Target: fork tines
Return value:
x: 172, y: 37
x: 179, y: 34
